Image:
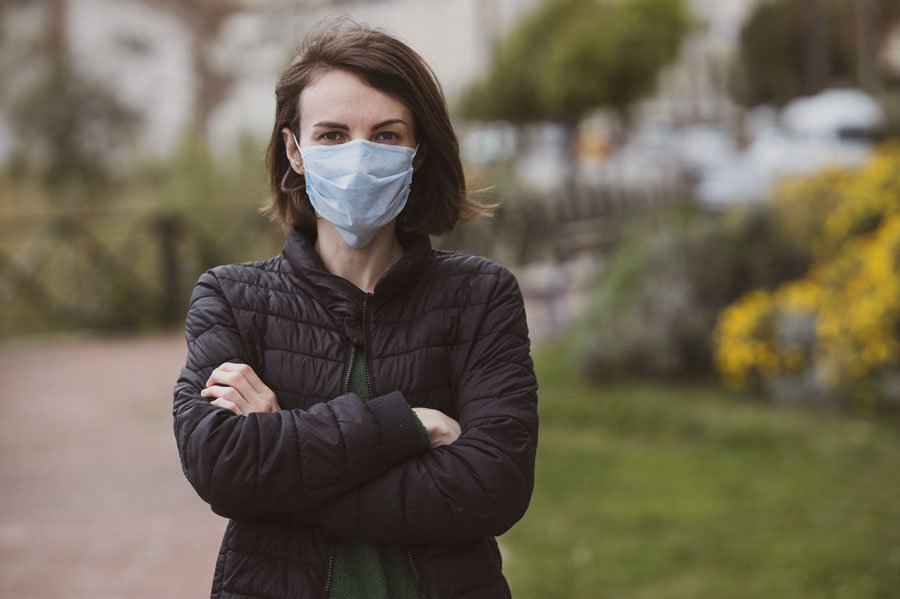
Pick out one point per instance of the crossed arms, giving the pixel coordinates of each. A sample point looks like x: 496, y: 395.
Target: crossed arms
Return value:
x: 358, y: 468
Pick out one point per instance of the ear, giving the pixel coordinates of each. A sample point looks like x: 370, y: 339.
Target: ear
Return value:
x: 419, y: 159
x: 292, y: 151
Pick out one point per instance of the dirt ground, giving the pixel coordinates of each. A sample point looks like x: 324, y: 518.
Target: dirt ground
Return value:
x: 93, y: 502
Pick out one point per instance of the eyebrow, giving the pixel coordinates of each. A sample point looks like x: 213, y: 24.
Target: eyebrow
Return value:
x: 332, y: 125
x: 343, y: 127
x: 389, y: 122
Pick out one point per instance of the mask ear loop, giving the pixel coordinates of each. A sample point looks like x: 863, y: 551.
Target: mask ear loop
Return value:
x: 297, y: 147
x: 290, y: 171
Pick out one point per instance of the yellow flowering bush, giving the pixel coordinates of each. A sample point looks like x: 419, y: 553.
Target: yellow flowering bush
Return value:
x: 866, y: 199
x: 857, y: 327
x: 839, y: 326
x: 748, y: 339
x: 744, y: 341
x: 801, y: 205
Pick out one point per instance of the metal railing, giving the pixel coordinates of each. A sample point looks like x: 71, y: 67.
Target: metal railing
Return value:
x: 116, y: 268
x: 133, y: 267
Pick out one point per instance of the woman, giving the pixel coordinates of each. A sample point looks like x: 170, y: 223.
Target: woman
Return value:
x: 361, y: 407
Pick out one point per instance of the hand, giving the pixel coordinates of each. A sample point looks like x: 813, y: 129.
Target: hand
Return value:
x: 442, y: 430
x: 237, y: 388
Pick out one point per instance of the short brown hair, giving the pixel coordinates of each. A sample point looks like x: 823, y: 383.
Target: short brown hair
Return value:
x: 438, y: 200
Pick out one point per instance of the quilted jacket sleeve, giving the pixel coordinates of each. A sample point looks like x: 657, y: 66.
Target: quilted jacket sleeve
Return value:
x: 481, y: 484
x: 282, y: 462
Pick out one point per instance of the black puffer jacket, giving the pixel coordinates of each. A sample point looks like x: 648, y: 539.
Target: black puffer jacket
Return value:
x: 442, y: 330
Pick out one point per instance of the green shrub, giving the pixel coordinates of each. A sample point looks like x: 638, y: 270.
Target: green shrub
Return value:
x: 655, y: 304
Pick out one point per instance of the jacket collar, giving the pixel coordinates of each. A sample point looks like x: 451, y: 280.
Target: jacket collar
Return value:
x: 341, y: 297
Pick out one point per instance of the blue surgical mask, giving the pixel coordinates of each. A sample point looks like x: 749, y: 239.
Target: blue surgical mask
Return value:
x: 358, y: 186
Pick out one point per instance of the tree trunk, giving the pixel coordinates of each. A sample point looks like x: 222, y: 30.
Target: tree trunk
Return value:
x: 817, y: 61
x: 204, y: 19
x: 866, y: 44
x: 57, y: 34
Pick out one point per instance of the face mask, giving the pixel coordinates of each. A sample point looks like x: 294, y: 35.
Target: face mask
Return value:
x: 358, y: 186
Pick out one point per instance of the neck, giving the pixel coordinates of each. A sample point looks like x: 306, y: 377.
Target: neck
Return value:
x: 364, y: 266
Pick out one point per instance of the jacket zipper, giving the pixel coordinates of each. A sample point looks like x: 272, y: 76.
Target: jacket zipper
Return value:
x: 370, y: 386
x: 351, y: 358
x: 415, y: 571
x: 330, y: 572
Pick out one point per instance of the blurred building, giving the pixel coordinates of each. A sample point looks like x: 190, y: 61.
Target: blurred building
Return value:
x: 211, y: 64
x: 692, y: 129
x: 693, y: 88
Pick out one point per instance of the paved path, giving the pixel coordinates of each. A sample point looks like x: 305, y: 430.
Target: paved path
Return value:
x: 93, y: 502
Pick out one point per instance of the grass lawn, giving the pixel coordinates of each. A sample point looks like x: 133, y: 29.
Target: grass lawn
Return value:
x: 652, y: 491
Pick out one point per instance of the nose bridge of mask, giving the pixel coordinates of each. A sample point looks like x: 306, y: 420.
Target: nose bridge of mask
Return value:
x: 354, y: 157
x: 359, y: 156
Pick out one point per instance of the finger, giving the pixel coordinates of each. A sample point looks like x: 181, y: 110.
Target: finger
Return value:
x: 248, y: 373
x: 223, y: 367
x: 229, y: 393
x: 231, y: 378
x: 237, y: 375
x: 224, y: 403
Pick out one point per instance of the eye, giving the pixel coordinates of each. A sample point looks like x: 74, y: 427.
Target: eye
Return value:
x: 387, y: 137
x: 331, y: 136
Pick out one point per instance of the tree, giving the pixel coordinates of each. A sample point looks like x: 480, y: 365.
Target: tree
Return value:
x: 571, y: 56
x: 70, y: 127
x: 204, y: 19
x: 791, y: 48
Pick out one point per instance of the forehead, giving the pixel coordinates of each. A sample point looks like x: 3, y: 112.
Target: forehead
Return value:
x: 339, y: 96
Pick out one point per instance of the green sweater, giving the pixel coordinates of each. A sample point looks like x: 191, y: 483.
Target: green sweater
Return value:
x: 365, y: 569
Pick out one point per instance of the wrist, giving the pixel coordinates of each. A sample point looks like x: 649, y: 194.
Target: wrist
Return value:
x: 423, y: 432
